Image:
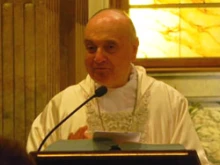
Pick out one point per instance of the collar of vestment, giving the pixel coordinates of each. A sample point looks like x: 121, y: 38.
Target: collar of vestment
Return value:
x: 122, y: 98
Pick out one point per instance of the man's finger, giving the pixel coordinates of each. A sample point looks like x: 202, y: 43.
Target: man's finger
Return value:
x: 80, y: 133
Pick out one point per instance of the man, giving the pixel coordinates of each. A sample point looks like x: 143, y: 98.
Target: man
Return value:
x: 134, y: 102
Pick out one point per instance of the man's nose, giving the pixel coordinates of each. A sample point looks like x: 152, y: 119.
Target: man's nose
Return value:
x: 100, y: 56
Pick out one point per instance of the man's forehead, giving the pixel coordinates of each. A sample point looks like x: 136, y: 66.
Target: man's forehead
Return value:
x: 101, y: 41
x: 106, y: 29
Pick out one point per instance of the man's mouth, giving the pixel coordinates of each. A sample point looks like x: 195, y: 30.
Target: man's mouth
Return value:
x: 100, y: 68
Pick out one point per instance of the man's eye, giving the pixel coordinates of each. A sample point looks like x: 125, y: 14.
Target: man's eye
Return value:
x: 111, y: 48
x: 91, y: 49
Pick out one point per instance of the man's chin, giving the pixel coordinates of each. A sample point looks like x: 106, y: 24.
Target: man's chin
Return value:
x: 101, y: 81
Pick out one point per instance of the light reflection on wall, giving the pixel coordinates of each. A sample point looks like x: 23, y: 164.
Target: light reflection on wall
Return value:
x: 177, y: 32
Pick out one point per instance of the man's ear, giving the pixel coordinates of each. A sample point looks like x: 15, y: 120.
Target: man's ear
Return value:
x: 135, y: 49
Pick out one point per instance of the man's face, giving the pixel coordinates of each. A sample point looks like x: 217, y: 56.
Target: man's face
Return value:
x: 109, y: 52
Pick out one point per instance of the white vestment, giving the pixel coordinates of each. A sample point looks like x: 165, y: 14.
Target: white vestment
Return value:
x: 160, y: 114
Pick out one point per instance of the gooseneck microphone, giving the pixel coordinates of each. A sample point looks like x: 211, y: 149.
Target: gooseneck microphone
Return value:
x: 98, y: 93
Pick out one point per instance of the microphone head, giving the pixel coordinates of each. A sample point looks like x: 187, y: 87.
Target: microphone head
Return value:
x: 100, y: 91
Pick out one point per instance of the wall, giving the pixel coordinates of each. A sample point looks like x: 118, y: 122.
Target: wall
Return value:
x: 197, y: 86
x: 94, y: 7
x: 41, y: 46
x: 29, y: 47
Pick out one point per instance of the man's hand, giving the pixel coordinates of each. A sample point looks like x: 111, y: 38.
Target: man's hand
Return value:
x: 80, y: 134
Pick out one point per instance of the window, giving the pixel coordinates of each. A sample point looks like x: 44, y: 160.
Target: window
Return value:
x: 177, y: 35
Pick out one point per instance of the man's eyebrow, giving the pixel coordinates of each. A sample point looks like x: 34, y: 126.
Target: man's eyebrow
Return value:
x: 87, y: 41
x: 111, y: 41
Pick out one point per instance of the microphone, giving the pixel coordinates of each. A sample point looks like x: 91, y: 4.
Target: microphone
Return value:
x: 98, y: 93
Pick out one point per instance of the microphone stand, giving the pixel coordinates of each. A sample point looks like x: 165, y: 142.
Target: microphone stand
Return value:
x: 98, y: 93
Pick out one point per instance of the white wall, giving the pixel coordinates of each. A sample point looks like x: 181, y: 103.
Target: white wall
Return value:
x: 95, y: 5
x: 202, y: 86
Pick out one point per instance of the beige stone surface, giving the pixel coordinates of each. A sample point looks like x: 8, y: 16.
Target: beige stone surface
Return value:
x: 206, y: 118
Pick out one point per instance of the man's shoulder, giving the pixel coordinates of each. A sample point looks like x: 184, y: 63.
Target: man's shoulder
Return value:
x: 161, y: 85
x: 150, y: 83
x: 85, y: 85
x: 79, y: 89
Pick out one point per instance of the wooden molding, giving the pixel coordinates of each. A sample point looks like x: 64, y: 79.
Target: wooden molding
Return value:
x: 180, y: 64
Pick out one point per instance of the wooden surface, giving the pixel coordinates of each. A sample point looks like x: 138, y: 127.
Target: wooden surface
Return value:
x: 37, y: 57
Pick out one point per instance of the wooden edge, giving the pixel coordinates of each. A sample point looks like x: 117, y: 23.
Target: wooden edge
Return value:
x: 180, y: 65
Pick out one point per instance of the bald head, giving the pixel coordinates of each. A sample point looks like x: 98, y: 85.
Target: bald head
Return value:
x: 115, y: 18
